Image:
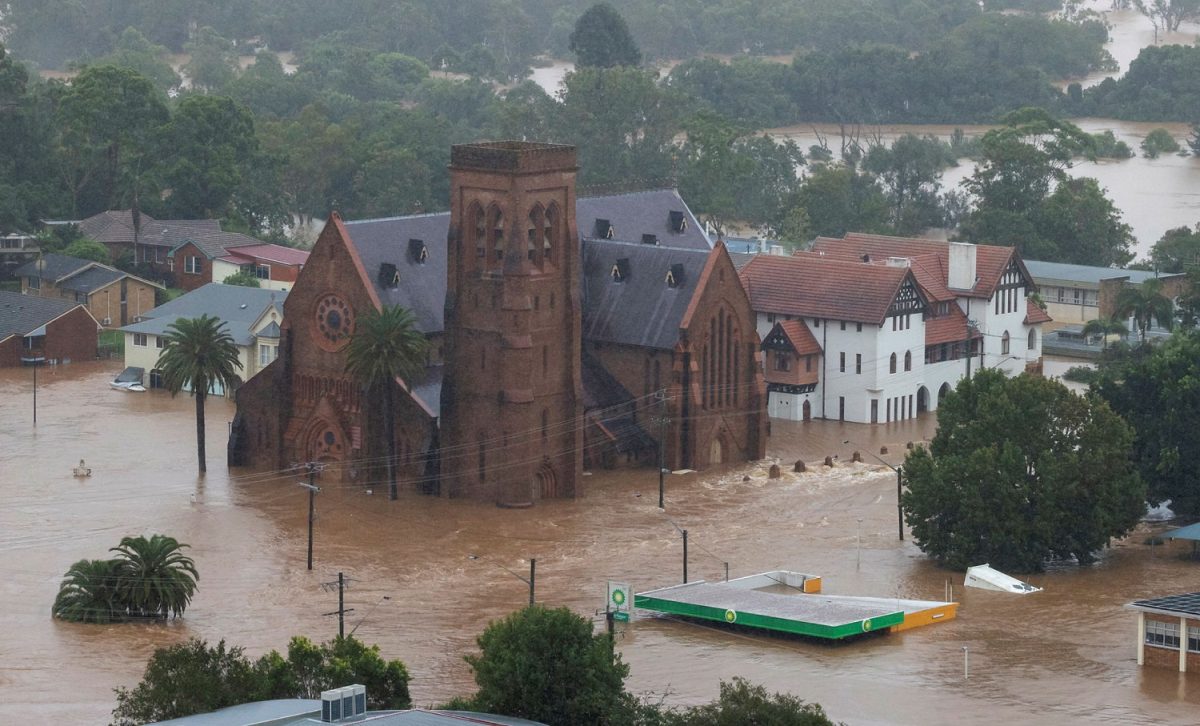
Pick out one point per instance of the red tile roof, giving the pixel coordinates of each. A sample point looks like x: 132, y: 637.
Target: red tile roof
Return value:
x: 817, y: 287
x: 801, y: 338
x: 269, y: 253
x: 990, y: 264
x: 1034, y: 314
x: 950, y: 328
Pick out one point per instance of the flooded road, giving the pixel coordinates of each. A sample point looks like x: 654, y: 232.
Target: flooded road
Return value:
x: 1064, y: 655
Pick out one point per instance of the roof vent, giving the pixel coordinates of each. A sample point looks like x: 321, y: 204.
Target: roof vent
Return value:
x: 340, y: 704
x: 243, y: 306
x: 649, y: 239
x: 418, y: 253
x: 678, y: 222
x: 620, y: 270
x: 603, y: 229
x: 388, y: 276
x: 675, y: 275
x: 866, y: 258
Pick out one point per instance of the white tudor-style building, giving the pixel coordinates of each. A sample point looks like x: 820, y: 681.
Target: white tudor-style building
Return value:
x: 875, y: 329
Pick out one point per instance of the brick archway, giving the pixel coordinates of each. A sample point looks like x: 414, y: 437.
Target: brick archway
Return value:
x: 545, y: 481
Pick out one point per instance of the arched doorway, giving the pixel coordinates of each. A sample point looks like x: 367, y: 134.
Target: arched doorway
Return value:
x: 545, y: 483
x: 715, y: 452
x: 922, y: 399
x: 807, y: 409
x: 942, y: 393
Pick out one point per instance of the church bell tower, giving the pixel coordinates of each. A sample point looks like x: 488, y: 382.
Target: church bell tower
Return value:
x: 511, y: 429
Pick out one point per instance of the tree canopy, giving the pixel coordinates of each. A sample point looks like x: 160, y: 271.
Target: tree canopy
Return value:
x: 1021, y: 470
x: 546, y: 665
x: 1157, y: 390
x: 601, y: 39
x: 148, y: 578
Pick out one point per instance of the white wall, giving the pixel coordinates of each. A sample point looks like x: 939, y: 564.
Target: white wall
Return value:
x: 222, y: 270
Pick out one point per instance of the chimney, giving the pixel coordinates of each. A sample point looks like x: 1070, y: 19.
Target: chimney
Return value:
x: 898, y: 262
x: 962, y: 275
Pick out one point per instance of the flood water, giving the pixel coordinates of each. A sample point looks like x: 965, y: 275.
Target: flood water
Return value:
x: 1063, y: 655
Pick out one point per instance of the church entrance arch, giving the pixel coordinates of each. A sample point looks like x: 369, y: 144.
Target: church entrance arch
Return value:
x: 715, y: 452
x: 922, y: 399
x: 545, y: 482
x: 942, y: 392
x: 325, y: 442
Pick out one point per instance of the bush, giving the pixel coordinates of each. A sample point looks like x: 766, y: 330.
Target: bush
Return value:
x: 546, y: 665
x: 1158, y: 141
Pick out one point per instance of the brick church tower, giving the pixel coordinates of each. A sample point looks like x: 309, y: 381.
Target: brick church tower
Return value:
x: 511, y: 427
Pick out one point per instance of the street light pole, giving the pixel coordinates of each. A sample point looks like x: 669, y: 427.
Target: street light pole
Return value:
x: 312, y: 493
x: 899, y: 487
x: 528, y: 581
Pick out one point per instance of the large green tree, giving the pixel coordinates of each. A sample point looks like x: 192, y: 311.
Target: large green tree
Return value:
x: 88, y: 249
x: 154, y: 578
x: 1177, y: 250
x: 212, y: 144
x: 910, y: 171
x: 199, y: 354
x: 601, y: 39
x: 840, y: 199
x: 1157, y: 390
x: 193, y: 677
x: 386, y: 350
x: 190, y: 678
x: 547, y: 665
x: 1021, y: 470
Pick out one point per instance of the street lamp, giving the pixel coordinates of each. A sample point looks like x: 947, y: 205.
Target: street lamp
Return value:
x: 899, y: 486
x: 528, y: 581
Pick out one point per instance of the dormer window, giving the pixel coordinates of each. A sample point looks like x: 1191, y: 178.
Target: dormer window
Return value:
x: 678, y: 222
x: 675, y: 275
x: 620, y: 270
x: 603, y: 229
x: 418, y: 253
x: 389, y: 276
x: 650, y: 239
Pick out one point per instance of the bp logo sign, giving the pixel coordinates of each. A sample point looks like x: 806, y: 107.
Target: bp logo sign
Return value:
x: 618, y: 600
x: 730, y: 616
x: 867, y: 625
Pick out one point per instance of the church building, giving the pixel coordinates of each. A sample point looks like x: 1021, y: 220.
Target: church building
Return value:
x: 563, y: 333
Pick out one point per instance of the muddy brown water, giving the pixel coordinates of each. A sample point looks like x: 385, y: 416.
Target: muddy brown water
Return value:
x: 1065, y: 655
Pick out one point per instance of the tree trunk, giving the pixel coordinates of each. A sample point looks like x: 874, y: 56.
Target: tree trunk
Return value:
x: 200, y: 393
x: 389, y: 430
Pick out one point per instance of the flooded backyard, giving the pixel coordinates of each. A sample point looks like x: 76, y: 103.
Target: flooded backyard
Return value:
x: 1063, y: 655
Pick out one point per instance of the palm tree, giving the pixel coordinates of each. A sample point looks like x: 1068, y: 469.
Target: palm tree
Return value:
x: 1144, y: 304
x: 1105, y: 327
x: 198, y: 353
x: 386, y: 346
x: 88, y: 593
x: 154, y: 578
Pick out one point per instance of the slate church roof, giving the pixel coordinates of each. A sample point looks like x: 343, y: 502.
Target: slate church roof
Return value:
x: 420, y: 284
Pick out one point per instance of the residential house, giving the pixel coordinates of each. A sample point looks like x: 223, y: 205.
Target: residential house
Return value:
x: 15, y: 250
x: 199, y: 260
x: 558, y: 329
x: 252, y: 316
x: 113, y: 297
x: 45, y: 330
x: 889, y: 324
x: 274, y: 266
x: 1168, y: 631
x: 148, y: 241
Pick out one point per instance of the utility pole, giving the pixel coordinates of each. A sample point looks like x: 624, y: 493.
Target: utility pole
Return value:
x: 661, y: 395
x: 342, y: 584
x: 312, y: 488
x: 684, y: 556
x: 532, y: 576
x: 899, y: 505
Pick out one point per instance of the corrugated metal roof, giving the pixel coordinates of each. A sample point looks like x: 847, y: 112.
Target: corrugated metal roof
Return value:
x: 1063, y: 272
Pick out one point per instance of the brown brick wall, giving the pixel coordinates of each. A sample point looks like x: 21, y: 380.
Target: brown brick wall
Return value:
x: 1160, y: 657
x: 72, y: 336
x: 186, y: 280
x: 106, y: 302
